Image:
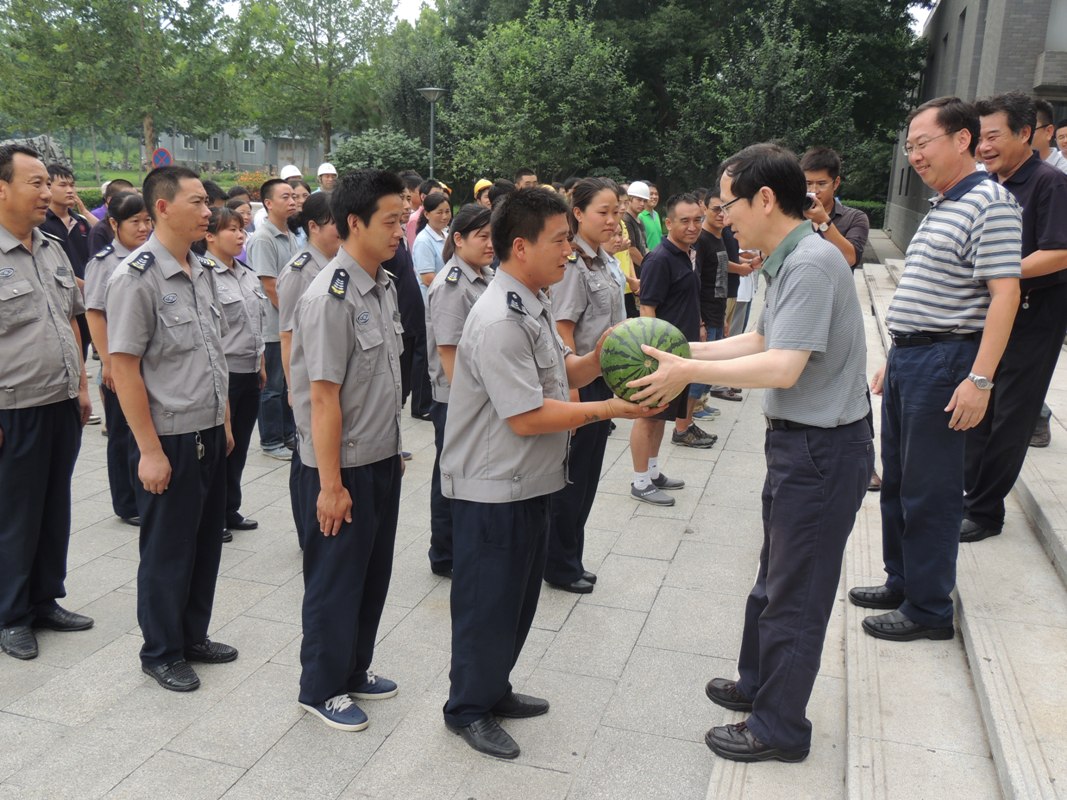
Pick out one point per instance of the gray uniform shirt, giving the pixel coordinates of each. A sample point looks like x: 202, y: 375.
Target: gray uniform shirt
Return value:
x: 812, y: 305
x: 241, y: 297
x: 269, y: 250
x: 98, y: 272
x: 40, y: 362
x: 293, y: 281
x: 173, y: 323
x: 347, y: 331
x: 509, y: 361
x: 448, y: 302
x: 589, y: 296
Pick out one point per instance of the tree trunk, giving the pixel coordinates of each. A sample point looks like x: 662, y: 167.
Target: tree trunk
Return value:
x: 327, y: 135
x: 96, y: 155
x: 125, y: 151
x: 149, y: 136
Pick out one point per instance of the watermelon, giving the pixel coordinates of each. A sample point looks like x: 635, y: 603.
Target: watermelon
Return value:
x: 622, y: 360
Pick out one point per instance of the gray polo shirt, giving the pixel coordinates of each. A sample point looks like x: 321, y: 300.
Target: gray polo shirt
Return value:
x: 293, y: 281
x: 98, y: 272
x: 172, y: 322
x: 812, y: 305
x: 347, y: 331
x: 39, y: 358
x: 241, y: 297
x: 269, y: 250
x: 589, y: 296
x: 509, y: 361
x: 448, y: 302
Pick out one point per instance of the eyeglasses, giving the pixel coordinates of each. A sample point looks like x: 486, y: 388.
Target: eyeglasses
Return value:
x: 920, y: 146
x: 716, y: 209
x: 726, y: 206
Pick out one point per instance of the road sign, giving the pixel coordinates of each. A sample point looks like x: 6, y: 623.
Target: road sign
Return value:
x: 161, y: 157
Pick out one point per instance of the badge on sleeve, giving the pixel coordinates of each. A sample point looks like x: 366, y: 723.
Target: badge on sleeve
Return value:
x: 339, y: 284
x: 142, y: 262
x: 453, y: 275
x: 515, y: 303
x: 106, y: 251
x: 301, y: 261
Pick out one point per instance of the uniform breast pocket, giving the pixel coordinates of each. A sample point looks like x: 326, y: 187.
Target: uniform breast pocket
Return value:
x: 232, y: 309
x: 372, y: 352
x: 18, y: 305
x: 179, y: 330
x: 546, y: 356
x: 599, y: 296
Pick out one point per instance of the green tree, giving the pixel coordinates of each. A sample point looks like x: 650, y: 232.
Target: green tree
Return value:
x: 380, y: 148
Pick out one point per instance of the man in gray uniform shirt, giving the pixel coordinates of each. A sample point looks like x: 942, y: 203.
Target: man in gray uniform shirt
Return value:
x: 809, y: 351
x: 44, y: 403
x: 164, y: 330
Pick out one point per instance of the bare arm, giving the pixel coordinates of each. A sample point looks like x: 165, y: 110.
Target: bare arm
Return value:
x: 744, y: 344
x: 560, y: 415
x: 285, y: 338
x: 85, y: 405
x: 447, y: 354
x: 334, y: 505
x: 1040, y: 262
x: 153, y: 470
x: 98, y: 330
x: 426, y: 278
x: 270, y: 288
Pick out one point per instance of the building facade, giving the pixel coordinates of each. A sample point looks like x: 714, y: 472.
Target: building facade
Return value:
x: 246, y: 152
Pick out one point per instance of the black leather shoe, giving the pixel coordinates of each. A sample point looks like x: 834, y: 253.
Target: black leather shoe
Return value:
x: 209, y: 652
x: 736, y: 743
x: 227, y: 536
x: 425, y: 417
x: 240, y: 523
x: 971, y: 531
x: 723, y: 692
x: 486, y: 736
x: 580, y: 586
x: 441, y: 570
x: 520, y: 706
x: 19, y: 642
x: 589, y: 576
x: 875, y: 597
x: 896, y: 627
x: 59, y: 619
x: 135, y: 521
x: 177, y: 677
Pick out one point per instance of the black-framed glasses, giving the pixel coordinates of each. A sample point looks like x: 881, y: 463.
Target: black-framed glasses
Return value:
x: 726, y: 206
x: 920, y: 146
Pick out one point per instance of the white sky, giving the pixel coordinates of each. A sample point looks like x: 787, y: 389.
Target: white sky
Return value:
x: 409, y: 9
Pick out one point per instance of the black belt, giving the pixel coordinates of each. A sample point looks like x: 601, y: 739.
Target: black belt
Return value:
x: 923, y: 339
x: 787, y: 425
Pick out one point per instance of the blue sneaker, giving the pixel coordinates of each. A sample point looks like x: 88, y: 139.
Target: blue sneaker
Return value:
x: 706, y: 413
x: 339, y: 712
x: 375, y: 688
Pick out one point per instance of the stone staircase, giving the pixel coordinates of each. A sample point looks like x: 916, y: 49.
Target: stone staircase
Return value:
x: 981, y: 716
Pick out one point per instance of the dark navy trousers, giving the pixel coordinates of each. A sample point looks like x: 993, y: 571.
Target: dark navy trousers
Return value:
x: 276, y: 426
x: 922, y: 476
x: 299, y: 518
x: 346, y: 578
x: 244, y: 409
x: 816, y: 481
x: 498, y: 561
x: 571, y: 504
x: 119, y: 442
x: 36, y: 464
x: 440, y: 506
x: 181, y: 545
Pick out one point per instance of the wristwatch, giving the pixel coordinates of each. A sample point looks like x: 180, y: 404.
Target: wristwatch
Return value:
x: 982, y: 383
x: 822, y: 227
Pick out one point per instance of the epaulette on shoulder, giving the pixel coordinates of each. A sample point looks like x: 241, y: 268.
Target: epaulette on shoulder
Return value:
x: 515, y: 303
x: 300, y: 261
x: 573, y: 258
x: 51, y: 236
x: 390, y: 275
x: 107, y: 250
x: 143, y: 261
x: 208, y: 262
x: 339, y: 284
x: 453, y: 275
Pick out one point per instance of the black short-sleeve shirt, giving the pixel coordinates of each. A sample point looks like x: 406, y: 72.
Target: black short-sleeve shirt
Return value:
x: 733, y: 252
x: 1041, y: 190
x: 670, y: 282
x: 712, y: 264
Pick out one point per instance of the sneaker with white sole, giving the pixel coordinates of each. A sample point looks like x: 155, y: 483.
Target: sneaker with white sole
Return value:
x: 670, y: 484
x: 281, y: 452
x: 651, y: 495
x: 694, y: 437
x: 706, y: 413
x: 339, y: 712
x: 375, y: 688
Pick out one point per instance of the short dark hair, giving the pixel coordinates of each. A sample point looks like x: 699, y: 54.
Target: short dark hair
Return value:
x: 522, y: 172
x: 358, y: 193
x: 1017, y: 107
x: 163, y: 183
x: 238, y: 191
x: 1061, y: 124
x: 412, y: 180
x: 237, y: 201
x: 1044, y: 111
x: 7, y: 159
x: 952, y: 115
x: 221, y: 218
x: 501, y: 188
x: 117, y: 186
x: 471, y: 217
x: 677, y: 199
x: 430, y: 203
x: 583, y: 192
x: 522, y: 215
x: 267, y: 188
x: 701, y: 192
x: 214, y: 192
x: 712, y: 192
x: 316, y: 209
x: 569, y: 183
x: 295, y: 181
x: 822, y: 159
x: 125, y: 205
x: 771, y: 165
x: 429, y: 185
x: 60, y: 171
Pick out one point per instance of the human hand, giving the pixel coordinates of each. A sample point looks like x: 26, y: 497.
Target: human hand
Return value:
x: 878, y: 381
x: 154, y: 471
x: 663, y: 385
x: 85, y: 405
x: 334, y: 508
x: 968, y: 406
x: 624, y: 409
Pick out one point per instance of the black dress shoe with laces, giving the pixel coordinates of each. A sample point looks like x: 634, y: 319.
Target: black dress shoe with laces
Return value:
x: 177, y: 677
x: 723, y: 692
x: 737, y: 743
x: 896, y: 627
x: 59, y: 619
x: 239, y: 523
x: 486, y: 736
x: 209, y: 652
x: 875, y: 597
x: 19, y: 642
x: 520, y: 706
x: 971, y: 531
x: 580, y: 586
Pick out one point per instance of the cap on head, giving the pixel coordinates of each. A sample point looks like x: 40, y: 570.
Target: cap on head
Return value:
x: 290, y: 171
x: 639, y: 189
x: 480, y: 185
x: 326, y: 168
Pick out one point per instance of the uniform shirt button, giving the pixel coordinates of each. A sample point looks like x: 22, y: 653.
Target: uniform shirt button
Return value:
x: 515, y: 479
x: 351, y: 444
x: 14, y: 291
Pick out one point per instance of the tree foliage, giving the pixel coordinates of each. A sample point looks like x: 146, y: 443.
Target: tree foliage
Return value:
x: 381, y: 148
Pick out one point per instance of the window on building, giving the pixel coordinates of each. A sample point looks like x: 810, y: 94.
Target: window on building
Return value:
x: 188, y: 143
x: 248, y: 146
x: 213, y: 143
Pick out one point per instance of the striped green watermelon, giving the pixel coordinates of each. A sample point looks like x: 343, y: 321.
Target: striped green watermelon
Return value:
x: 621, y: 359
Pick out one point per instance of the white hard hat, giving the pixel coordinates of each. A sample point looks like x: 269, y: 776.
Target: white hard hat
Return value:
x: 293, y: 171
x: 326, y: 168
x: 639, y: 189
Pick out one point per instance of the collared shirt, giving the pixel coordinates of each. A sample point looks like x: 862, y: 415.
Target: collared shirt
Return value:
x: 1042, y: 192
x: 241, y: 297
x: 100, y: 236
x: 172, y: 322
x: 854, y: 226
x: 40, y: 362
x: 713, y: 266
x: 409, y: 292
x: 293, y: 281
x: 411, y: 229
x: 589, y: 296
x: 1056, y: 159
x: 452, y: 294
x: 812, y: 305
x: 671, y: 284
x: 99, y: 271
x: 427, y: 254
x: 347, y: 331
x: 269, y: 250
x: 509, y: 361
x: 972, y: 234
x: 75, y: 239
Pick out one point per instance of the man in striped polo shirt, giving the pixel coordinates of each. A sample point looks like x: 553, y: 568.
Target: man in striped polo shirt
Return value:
x: 950, y: 319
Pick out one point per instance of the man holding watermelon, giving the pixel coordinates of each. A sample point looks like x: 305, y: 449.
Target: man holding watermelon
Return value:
x: 808, y: 351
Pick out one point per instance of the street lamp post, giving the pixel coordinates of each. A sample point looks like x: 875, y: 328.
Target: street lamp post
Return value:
x: 432, y: 94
